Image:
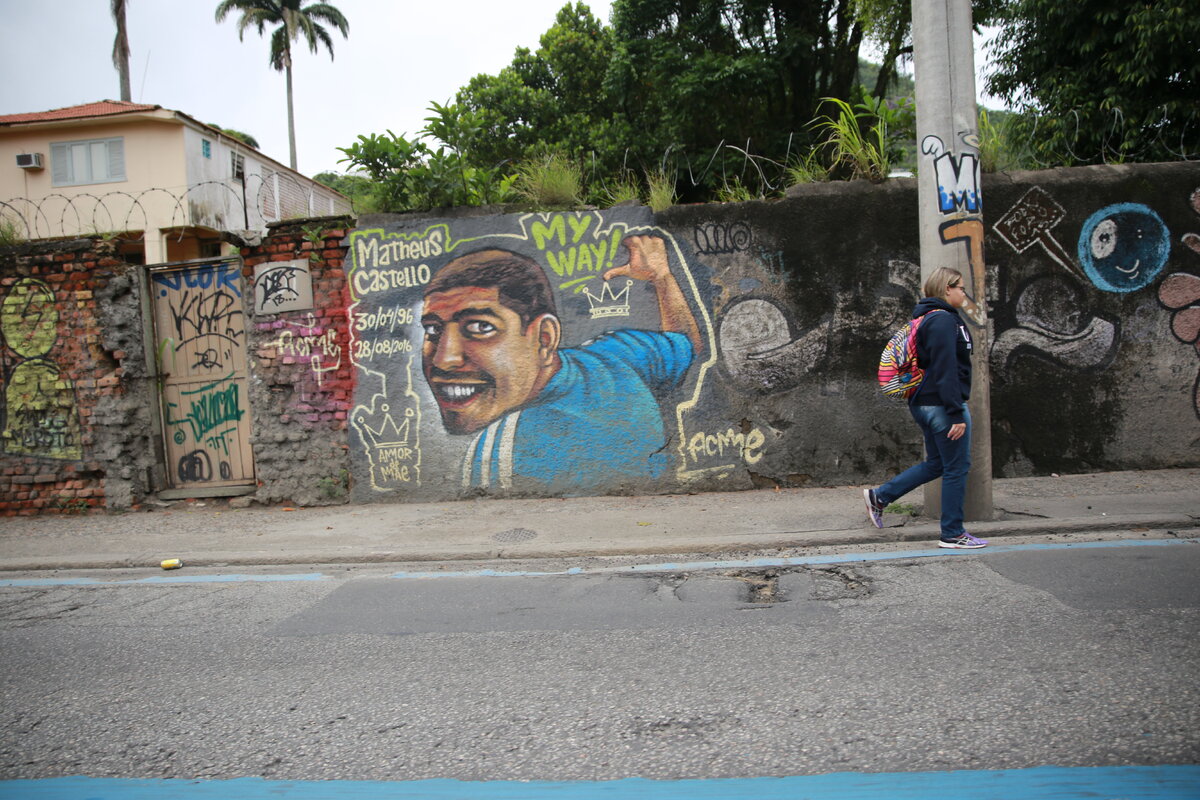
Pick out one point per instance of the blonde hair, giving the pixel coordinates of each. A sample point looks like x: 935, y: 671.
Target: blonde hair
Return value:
x: 936, y: 285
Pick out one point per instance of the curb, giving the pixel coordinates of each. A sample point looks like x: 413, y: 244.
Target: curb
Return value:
x: 738, y: 544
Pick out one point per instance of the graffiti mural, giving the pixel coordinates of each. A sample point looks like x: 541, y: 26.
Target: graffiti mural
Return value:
x: 758, y: 350
x: 1124, y: 247
x: 715, y: 238
x: 307, y: 342
x: 1050, y: 323
x: 764, y: 351
x: 1094, y: 307
x: 957, y: 178
x: 1192, y: 240
x: 563, y: 352
x: 281, y: 286
x: 40, y: 417
x: 1121, y: 248
x: 1030, y: 221
x: 960, y: 200
x: 1179, y: 293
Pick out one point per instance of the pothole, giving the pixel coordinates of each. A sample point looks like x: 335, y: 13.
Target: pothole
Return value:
x: 761, y: 587
x: 514, y: 535
x: 839, y: 583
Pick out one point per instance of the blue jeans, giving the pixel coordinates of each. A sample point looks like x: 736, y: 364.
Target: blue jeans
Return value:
x: 945, y: 459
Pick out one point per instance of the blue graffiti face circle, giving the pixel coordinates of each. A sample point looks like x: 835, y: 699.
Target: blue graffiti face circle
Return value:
x: 1123, y: 247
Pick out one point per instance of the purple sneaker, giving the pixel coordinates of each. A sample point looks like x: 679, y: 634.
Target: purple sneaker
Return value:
x: 964, y: 542
x: 874, y: 508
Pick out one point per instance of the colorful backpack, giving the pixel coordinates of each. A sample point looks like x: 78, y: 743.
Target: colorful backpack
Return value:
x: 899, y: 375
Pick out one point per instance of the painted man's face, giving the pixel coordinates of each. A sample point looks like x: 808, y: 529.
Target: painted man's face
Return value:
x: 478, y: 358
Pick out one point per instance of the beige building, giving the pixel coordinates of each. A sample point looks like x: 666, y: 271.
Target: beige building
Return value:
x: 161, y: 182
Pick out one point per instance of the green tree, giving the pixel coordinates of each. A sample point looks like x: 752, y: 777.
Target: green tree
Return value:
x: 294, y: 20
x: 551, y: 100
x: 359, y: 188
x: 1102, y: 79
x: 690, y: 79
x: 691, y: 74
x: 725, y: 94
x: 411, y: 175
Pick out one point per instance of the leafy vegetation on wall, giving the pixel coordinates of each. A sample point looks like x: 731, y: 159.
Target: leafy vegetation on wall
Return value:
x: 736, y: 99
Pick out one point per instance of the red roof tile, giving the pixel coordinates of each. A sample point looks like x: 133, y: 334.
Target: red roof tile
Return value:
x: 104, y: 108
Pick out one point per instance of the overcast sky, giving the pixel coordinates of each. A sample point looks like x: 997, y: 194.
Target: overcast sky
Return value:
x: 399, y: 56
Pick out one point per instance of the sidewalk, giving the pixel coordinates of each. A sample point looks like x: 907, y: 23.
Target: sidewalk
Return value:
x: 209, y: 533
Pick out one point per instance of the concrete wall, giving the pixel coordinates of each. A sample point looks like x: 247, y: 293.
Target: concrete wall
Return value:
x: 1092, y: 297
x: 1096, y: 315
x: 775, y: 314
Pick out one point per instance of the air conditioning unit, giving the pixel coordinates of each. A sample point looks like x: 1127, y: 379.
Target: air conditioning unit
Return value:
x: 29, y: 160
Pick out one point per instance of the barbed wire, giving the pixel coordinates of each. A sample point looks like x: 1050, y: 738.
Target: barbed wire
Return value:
x: 773, y: 173
x: 205, y: 204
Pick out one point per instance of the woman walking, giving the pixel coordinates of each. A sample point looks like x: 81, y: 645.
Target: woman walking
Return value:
x: 939, y: 407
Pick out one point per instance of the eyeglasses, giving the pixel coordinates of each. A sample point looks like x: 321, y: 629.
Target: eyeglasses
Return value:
x: 955, y: 286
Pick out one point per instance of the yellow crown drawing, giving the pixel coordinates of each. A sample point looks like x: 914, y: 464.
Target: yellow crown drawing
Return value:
x: 387, y: 434
x: 609, y: 303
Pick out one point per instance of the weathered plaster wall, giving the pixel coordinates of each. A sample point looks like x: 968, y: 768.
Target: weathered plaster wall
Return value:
x: 1093, y: 296
x: 1096, y: 315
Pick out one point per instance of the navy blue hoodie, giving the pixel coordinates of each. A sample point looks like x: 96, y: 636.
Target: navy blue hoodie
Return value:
x: 944, y: 352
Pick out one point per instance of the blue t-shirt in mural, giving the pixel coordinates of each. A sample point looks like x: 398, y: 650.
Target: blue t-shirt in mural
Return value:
x: 597, y: 423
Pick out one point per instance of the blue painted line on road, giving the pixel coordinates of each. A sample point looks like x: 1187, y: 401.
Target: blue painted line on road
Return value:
x: 221, y: 578
x: 1170, y: 782
x: 232, y: 578
x: 796, y: 561
x: 51, y: 582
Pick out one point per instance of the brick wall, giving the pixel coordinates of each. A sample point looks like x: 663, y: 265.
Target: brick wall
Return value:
x: 60, y: 376
x: 303, y: 380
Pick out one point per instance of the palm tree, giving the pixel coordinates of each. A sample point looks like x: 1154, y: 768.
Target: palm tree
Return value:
x: 121, y: 48
x: 294, y: 21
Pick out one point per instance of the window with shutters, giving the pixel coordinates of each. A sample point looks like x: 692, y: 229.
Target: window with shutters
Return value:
x: 238, y: 163
x: 206, y: 148
x: 88, y: 161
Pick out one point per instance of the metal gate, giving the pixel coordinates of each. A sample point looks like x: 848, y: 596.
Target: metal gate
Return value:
x: 200, y: 350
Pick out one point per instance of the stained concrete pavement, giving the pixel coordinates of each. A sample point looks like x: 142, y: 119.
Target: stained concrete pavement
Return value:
x: 211, y: 533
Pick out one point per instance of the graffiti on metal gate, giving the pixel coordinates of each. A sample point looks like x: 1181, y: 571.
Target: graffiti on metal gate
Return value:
x: 206, y: 321
x: 200, y: 349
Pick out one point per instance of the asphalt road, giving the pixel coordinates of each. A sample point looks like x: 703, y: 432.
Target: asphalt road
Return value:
x: 987, y: 660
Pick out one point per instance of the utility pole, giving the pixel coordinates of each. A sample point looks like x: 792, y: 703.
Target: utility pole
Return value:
x: 951, y: 207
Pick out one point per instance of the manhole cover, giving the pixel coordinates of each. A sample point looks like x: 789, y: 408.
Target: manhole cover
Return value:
x: 514, y: 535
